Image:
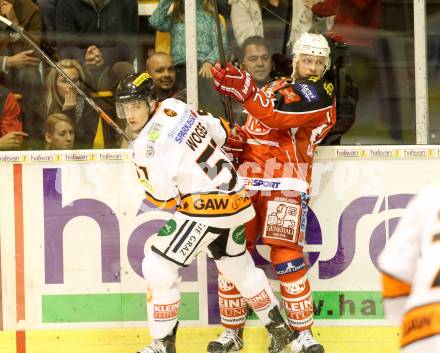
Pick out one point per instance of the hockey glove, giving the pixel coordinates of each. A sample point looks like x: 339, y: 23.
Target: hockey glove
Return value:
x: 235, y: 143
x: 233, y: 82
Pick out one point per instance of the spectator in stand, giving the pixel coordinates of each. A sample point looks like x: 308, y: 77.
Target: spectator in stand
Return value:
x: 166, y: 20
x: 99, y: 34
x: 255, y: 58
x: 62, y: 98
x: 11, y: 134
x: 47, y: 7
x: 303, y: 20
x: 59, y: 132
x: 264, y: 18
x: 18, y: 61
x: 161, y: 68
x: 357, y: 22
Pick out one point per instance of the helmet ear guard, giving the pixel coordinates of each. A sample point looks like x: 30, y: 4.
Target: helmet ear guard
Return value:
x: 134, y: 87
x: 311, y: 44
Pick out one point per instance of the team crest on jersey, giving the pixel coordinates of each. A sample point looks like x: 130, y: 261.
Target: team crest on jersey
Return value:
x: 169, y: 112
x: 255, y: 127
x: 282, y: 221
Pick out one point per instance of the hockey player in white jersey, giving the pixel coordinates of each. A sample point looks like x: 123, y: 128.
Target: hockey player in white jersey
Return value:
x: 410, y: 266
x: 180, y: 165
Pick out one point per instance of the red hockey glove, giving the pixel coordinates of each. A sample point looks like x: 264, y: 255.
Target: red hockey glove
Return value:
x: 235, y: 143
x: 233, y: 82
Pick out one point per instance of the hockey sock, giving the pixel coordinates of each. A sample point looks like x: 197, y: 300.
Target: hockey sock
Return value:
x: 233, y: 307
x: 251, y: 282
x: 163, y: 294
x: 298, y: 303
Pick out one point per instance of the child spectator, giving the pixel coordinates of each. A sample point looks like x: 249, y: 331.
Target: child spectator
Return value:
x: 11, y: 134
x: 59, y: 132
x: 99, y: 34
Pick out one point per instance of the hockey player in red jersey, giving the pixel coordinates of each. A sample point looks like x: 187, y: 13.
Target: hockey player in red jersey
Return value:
x: 286, y: 121
x: 179, y: 163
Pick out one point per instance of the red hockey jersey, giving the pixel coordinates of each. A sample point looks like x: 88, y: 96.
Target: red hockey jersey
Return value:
x: 286, y: 121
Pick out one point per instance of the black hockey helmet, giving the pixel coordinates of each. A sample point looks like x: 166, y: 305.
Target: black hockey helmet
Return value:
x: 135, y: 87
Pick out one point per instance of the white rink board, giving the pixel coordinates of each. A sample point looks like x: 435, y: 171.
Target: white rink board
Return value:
x: 81, y: 246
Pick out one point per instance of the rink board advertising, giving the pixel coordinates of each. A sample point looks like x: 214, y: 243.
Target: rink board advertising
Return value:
x: 74, y: 228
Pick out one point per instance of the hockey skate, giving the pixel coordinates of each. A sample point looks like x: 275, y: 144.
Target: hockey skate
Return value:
x: 280, y: 334
x: 163, y: 345
x: 305, y: 343
x: 231, y: 340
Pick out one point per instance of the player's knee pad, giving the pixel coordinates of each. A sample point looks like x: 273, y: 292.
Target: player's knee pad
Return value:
x: 248, y: 279
x: 288, y: 263
x: 159, y: 272
x: 298, y: 303
x: 237, y: 268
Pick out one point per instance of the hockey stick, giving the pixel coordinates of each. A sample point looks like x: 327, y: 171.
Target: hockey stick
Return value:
x: 98, y: 109
x: 221, y: 50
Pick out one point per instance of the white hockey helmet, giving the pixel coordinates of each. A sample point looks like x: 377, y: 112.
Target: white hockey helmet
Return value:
x: 311, y: 44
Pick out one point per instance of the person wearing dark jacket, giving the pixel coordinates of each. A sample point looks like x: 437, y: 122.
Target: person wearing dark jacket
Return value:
x: 98, y: 33
x: 18, y: 61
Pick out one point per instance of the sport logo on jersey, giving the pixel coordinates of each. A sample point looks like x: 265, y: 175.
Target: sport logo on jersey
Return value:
x: 261, y: 184
x: 212, y: 204
x: 289, y: 95
x: 282, y: 221
x: 154, y: 132
x: 186, y: 127
x: 308, y: 92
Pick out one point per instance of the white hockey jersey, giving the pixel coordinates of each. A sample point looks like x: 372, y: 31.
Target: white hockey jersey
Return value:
x: 180, y: 164
x: 410, y: 265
